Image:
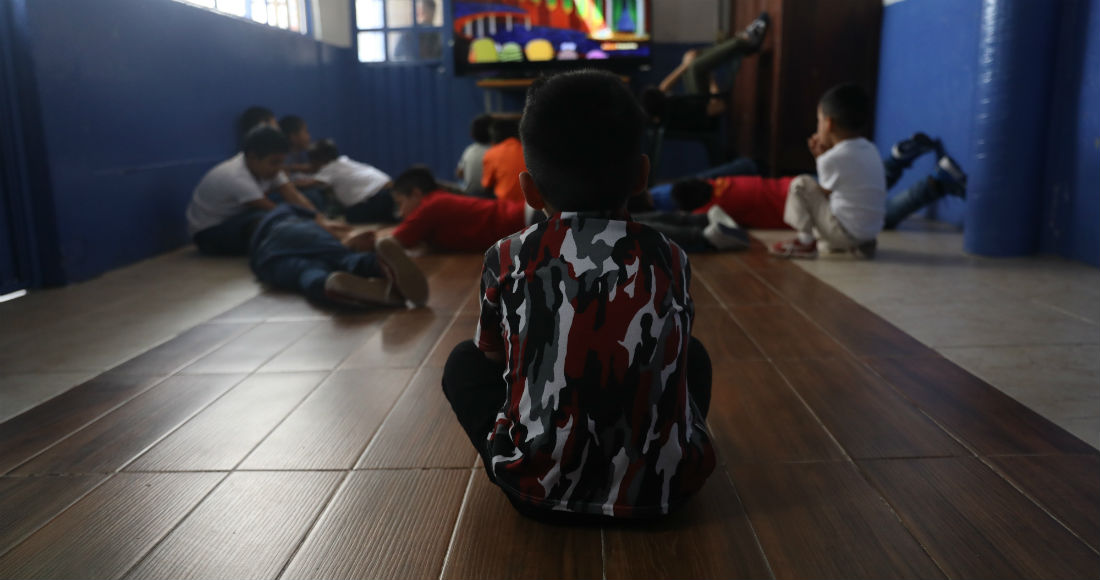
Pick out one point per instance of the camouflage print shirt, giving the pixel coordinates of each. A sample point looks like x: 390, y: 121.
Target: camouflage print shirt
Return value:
x: 593, y: 316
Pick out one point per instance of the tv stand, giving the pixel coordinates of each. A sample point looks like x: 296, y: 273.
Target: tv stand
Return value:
x: 495, y: 88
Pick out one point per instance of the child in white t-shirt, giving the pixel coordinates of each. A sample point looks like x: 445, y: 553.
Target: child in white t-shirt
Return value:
x: 361, y: 190
x: 234, y: 195
x: 470, y: 164
x: 846, y: 205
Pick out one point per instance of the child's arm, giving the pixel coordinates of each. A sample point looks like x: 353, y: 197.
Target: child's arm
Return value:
x: 678, y: 72
x: 262, y: 203
x: 292, y: 195
x: 308, y: 182
x: 488, y: 337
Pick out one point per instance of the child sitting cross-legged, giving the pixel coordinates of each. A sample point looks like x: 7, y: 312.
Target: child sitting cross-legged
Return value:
x: 584, y: 392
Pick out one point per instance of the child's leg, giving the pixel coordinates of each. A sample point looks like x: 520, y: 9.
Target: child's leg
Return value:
x: 909, y: 201
x: 699, y: 376
x: 298, y: 274
x: 739, y: 166
x: 808, y: 211
x: 476, y: 389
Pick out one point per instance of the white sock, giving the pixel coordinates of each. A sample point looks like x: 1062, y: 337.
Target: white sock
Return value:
x: 805, y: 238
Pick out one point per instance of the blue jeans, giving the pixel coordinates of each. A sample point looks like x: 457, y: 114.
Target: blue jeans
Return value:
x: 662, y: 194
x: 292, y: 252
x: 905, y: 203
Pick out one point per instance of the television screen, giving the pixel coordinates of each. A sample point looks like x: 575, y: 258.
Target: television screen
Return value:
x: 527, y: 36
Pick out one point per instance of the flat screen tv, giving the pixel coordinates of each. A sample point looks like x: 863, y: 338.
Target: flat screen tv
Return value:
x: 526, y: 37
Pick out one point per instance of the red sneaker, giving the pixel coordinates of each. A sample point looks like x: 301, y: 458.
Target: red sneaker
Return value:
x: 795, y: 249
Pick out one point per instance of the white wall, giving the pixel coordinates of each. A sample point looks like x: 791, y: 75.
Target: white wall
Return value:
x: 686, y: 20
x: 332, y: 22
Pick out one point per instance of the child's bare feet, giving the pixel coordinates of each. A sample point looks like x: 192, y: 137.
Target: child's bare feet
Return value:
x: 360, y: 240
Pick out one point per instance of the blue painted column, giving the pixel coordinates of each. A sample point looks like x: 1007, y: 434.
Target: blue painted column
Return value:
x: 1012, y: 99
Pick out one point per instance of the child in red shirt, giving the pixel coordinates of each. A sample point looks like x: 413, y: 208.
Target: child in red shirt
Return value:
x: 451, y: 222
x: 503, y: 162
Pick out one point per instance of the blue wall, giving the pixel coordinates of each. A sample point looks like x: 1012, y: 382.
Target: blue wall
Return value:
x: 928, y: 80
x: 1072, y: 192
x: 138, y: 99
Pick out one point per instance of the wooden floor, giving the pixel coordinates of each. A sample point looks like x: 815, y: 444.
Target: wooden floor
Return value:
x: 280, y: 441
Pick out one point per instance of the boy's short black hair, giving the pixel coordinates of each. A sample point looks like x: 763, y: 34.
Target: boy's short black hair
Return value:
x: 692, y: 194
x: 263, y: 141
x: 479, y: 129
x: 323, y: 151
x: 250, y: 118
x: 503, y: 128
x: 291, y: 124
x: 582, y: 139
x: 415, y: 177
x: 848, y: 106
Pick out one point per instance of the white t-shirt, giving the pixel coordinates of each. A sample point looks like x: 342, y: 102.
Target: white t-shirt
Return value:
x: 222, y: 192
x: 351, y: 181
x: 852, y: 170
x: 470, y: 164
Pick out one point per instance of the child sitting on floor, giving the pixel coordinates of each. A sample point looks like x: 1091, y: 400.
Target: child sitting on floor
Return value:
x: 846, y: 205
x: 473, y: 157
x: 234, y: 195
x: 584, y: 392
x: 361, y: 190
x: 504, y: 161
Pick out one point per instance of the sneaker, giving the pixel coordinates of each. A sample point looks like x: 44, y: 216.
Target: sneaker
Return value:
x: 909, y: 149
x: 347, y: 288
x: 950, y: 176
x: 756, y: 30
x: 723, y: 233
x: 866, y: 250
x: 407, y: 279
x: 794, y: 249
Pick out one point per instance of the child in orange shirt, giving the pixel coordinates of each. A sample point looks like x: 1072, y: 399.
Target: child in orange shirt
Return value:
x: 503, y: 161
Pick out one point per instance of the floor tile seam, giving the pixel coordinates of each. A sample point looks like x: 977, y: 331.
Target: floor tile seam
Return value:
x: 185, y: 420
x: 775, y: 367
x: 897, y: 392
x: 748, y: 520
x: 1007, y: 478
x: 1061, y: 310
x: 86, y: 424
x: 217, y: 345
x: 174, y: 527
x: 285, y: 417
x: 419, y: 369
x: 15, y: 544
x: 322, y: 509
x: 458, y: 522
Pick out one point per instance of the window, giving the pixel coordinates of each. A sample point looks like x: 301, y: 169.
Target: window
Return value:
x: 285, y: 14
x: 399, y: 30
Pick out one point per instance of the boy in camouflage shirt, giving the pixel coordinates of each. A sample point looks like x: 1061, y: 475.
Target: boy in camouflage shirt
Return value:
x: 587, y: 317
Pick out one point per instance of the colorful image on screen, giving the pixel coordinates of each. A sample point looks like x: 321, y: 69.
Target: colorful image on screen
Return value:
x: 492, y: 33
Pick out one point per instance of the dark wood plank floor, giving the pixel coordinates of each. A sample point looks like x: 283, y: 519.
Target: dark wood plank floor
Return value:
x: 281, y: 440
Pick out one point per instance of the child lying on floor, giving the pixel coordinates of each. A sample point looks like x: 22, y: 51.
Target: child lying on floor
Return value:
x: 296, y: 249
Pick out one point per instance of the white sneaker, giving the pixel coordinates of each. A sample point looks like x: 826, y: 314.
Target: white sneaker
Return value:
x: 722, y: 232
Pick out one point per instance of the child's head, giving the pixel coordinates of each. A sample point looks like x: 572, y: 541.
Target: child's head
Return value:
x: 479, y: 129
x: 582, y: 139
x: 322, y: 153
x: 295, y: 129
x: 843, y: 112
x: 265, y: 150
x: 503, y: 128
x: 692, y: 194
x: 410, y: 188
x: 253, y: 117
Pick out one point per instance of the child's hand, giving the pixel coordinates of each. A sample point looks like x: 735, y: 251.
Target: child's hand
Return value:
x: 689, y: 56
x: 817, y: 145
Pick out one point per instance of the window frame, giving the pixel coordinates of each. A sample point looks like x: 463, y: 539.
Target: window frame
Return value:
x: 305, y: 13
x: 385, y: 30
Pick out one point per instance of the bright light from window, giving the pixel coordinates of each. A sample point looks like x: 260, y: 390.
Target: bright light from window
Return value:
x: 285, y: 14
x: 372, y: 47
x: 234, y: 7
x: 13, y: 295
x: 368, y: 14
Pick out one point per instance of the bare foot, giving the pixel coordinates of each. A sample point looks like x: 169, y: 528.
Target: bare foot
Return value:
x: 360, y: 240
